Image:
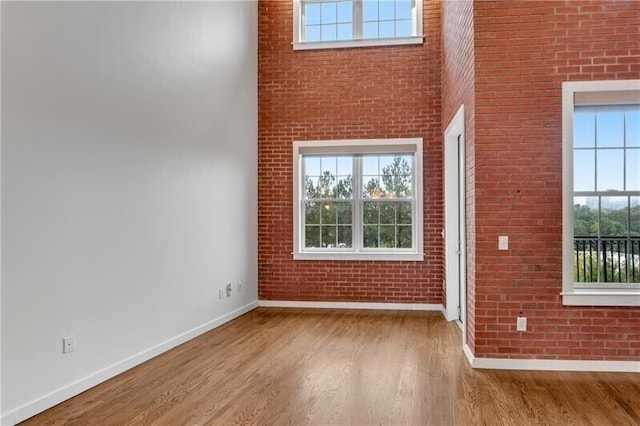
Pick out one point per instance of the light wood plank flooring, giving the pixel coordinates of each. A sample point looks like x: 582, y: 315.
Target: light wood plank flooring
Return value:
x: 294, y: 366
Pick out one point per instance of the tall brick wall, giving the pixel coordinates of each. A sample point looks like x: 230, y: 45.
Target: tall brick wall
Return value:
x: 523, y: 52
x: 376, y: 92
x: 458, y: 88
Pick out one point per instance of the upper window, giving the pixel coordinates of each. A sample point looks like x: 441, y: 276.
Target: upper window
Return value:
x: 330, y: 23
x: 601, y: 131
x: 358, y: 199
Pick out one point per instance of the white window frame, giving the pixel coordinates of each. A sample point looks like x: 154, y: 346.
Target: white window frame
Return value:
x: 606, y: 92
x: 298, y: 31
x: 356, y: 147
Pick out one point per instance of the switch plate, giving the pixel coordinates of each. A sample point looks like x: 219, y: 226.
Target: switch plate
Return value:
x: 68, y: 344
x: 240, y: 287
x: 503, y: 242
x: 521, y: 324
x: 221, y: 293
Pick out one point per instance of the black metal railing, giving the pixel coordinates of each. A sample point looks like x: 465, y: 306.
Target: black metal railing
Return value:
x: 606, y: 259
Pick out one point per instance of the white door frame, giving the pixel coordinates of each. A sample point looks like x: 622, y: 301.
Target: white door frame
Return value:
x: 455, y: 221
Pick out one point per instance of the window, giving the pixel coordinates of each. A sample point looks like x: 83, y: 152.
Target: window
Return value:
x: 329, y: 23
x: 601, y: 210
x: 358, y: 199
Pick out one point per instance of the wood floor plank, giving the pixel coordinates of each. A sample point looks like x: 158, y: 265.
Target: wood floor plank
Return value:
x: 294, y: 366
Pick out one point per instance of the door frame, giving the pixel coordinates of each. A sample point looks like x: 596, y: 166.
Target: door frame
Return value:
x: 454, y: 197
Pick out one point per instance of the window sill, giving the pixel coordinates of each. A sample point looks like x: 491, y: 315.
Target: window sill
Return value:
x: 367, y: 256
x: 601, y: 298
x: 357, y: 43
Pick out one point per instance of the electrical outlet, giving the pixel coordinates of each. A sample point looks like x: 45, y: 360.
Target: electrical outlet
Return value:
x: 228, y: 289
x: 221, y: 293
x: 68, y: 344
x: 521, y: 324
x: 503, y: 242
x: 240, y: 287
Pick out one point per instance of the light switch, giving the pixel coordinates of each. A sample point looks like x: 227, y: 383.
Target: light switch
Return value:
x: 503, y: 242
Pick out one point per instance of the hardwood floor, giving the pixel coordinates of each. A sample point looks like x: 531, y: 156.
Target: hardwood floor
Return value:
x: 294, y: 366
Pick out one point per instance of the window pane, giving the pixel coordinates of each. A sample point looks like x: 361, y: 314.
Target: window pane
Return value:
x: 370, y: 30
x: 397, y: 176
x: 404, y: 237
x: 387, y: 29
x: 329, y: 165
x: 312, y: 236
x: 585, y: 216
x: 345, y: 165
x: 344, y: 187
x: 614, y: 216
x: 329, y: 32
x: 312, y: 33
x: 370, y: 10
x: 403, y: 9
x: 345, y: 237
x: 329, y: 237
x: 370, y: 236
x: 632, y: 125
x: 328, y: 214
x: 386, y: 10
x: 585, y: 260
x: 610, y: 169
x: 345, y: 31
x: 311, y: 188
x: 370, y: 165
x: 312, y: 166
x: 312, y: 213
x: 404, y: 212
x: 372, y: 188
x: 610, y: 128
x: 329, y: 13
x: 404, y: 29
x: 584, y: 170
x: 344, y: 213
x: 325, y: 187
x: 633, y: 169
x: 388, y: 236
x: 312, y: 13
x: 370, y: 212
x: 635, y: 217
x: 584, y: 129
x: 345, y: 11
x: 387, y: 213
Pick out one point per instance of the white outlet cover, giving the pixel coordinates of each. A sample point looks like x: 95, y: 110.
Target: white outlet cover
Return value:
x: 521, y: 324
x: 503, y: 242
x: 221, y: 293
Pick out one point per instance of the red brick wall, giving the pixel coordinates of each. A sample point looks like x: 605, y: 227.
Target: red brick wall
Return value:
x: 458, y: 89
x: 376, y: 92
x: 523, y: 53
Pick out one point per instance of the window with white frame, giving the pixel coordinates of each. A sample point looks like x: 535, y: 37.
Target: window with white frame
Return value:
x: 601, y: 208
x: 358, y: 199
x: 330, y: 23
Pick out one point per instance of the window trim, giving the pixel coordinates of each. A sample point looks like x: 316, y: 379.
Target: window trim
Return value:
x: 587, y: 93
x: 299, y: 44
x: 354, y: 147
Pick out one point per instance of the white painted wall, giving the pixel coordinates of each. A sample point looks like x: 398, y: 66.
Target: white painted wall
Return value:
x: 129, y: 136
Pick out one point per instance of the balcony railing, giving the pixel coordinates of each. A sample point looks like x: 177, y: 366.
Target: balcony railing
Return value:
x: 606, y: 259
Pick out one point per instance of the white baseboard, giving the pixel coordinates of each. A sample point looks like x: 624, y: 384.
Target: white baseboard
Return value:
x: 551, y: 364
x: 351, y: 305
x: 47, y: 401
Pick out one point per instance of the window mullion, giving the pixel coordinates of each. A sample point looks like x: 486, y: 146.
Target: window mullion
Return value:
x: 356, y: 217
x: 357, y: 19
